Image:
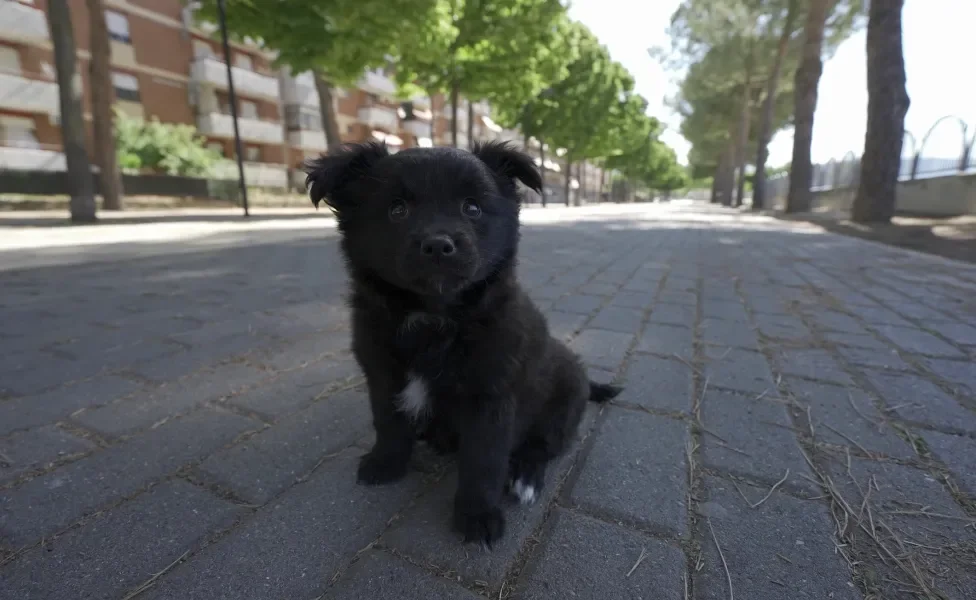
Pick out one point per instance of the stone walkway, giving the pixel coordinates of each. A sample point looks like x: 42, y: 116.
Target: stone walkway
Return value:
x: 180, y: 418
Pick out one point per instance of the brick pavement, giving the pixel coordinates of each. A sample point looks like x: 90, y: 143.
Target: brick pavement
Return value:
x: 180, y: 418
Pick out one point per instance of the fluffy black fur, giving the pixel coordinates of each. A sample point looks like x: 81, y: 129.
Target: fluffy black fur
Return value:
x: 430, y: 238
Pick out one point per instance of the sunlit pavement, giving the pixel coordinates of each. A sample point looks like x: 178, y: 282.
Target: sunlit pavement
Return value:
x: 180, y: 417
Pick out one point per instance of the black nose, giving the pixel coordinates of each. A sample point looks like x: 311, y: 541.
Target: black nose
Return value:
x: 438, y: 245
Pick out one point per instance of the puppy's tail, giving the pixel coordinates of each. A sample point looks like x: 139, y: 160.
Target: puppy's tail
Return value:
x: 603, y: 392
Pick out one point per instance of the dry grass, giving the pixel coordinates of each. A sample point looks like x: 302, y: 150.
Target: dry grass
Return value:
x: 721, y: 555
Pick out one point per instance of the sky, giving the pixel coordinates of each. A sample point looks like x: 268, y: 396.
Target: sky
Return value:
x: 938, y: 48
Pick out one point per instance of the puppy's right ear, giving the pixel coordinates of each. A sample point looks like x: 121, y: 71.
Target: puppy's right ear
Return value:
x: 328, y: 174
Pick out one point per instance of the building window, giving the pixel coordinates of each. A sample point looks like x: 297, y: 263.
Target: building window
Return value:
x: 249, y: 110
x: 9, y: 60
x: 118, y: 26
x: 126, y: 86
x: 252, y: 154
x: 244, y: 61
x: 202, y: 49
x: 18, y: 132
x: 310, y: 120
x: 216, y: 147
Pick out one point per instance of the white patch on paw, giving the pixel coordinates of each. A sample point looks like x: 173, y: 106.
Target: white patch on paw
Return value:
x: 525, y: 491
x: 413, y: 400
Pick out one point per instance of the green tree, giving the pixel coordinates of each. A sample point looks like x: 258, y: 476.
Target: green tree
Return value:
x: 102, y: 97
x: 504, y: 51
x: 338, y: 40
x: 170, y: 148
x: 887, y: 105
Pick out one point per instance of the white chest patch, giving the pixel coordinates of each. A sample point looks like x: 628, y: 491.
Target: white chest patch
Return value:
x: 414, y: 400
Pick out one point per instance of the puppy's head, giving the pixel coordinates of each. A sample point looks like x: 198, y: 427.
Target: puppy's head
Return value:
x: 429, y: 220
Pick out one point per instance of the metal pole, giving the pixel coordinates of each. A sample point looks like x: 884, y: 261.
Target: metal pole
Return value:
x: 233, y: 105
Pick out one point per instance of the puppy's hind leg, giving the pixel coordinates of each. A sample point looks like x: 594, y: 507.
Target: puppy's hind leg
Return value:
x: 527, y: 468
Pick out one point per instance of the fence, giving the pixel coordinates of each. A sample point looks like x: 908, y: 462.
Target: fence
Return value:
x: 930, y: 158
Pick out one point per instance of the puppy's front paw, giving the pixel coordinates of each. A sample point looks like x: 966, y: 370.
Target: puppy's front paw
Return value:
x: 485, y: 526
x: 377, y: 469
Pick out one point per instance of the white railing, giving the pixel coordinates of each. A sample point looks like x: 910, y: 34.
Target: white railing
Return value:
x: 255, y: 174
x: 307, y: 139
x: 379, y: 116
x: 28, y: 95
x: 377, y: 83
x: 14, y: 158
x: 21, y: 22
x: 299, y: 89
x: 212, y: 71
x: 252, y: 130
x: 417, y: 127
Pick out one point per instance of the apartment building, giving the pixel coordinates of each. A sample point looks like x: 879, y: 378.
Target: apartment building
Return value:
x: 167, y: 66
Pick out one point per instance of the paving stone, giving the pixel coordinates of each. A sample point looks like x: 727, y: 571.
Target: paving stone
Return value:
x: 45, y: 373
x: 598, y: 288
x: 133, y: 547
x: 294, y: 390
x: 579, y: 304
x: 812, y: 364
x: 424, y: 532
x: 549, y: 292
x: 660, y: 383
x: 737, y: 369
x: 958, y: 453
x: 918, y: 341
x: 55, y: 405
x: 600, y: 348
x: 667, y: 340
x: 25, y: 451
x: 915, y: 399
x: 877, y: 358
x: 47, y: 504
x: 782, y: 549
x: 832, y: 320
x: 960, y: 333
x: 782, y: 327
x: 179, y: 365
x: 292, y: 547
x: 273, y: 459
x: 626, y: 478
x: 615, y: 318
x: 173, y: 399
x: 680, y: 298
x: 379, y: 575
x: 636, y: 300
x: 729, y: 333
x: 586, y: 558
x: 878, y: 315
x: 724, y: 309
x: 309, y: 350
x: 563, y: 325
x: 959, y: 375
x: 673, y: 314
x: 750, y: 437
x: 847, y: 417
x: 898, y: 493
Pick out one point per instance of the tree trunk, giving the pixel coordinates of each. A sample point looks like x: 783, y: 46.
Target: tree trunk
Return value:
x: 102, y: 93
x: 714, y: 199
x: 542, y: 167
x: 766, y: 118
x: 742, y: 139
x: 599, y: 195
x: 470, y: 125
x: 82, y: 192
x: 330, y: 123
x: 725, y: 182
x: 807, y: 80
x: 455, y: 93
x: 567, y: 179
x: 887, y: 105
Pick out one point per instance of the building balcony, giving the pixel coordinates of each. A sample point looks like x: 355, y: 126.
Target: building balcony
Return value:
x: 307, y: 139
x: 375, y: 82
x: 482, y: 108
x: 24, y: 94
x: 264, y: 175
x: 22, y: 23
x: 15, y: 158
x: 379, y: 117
x: 417, y: 127
x: 299, y: 90
x: 219, y: 125
x: 210, y: 71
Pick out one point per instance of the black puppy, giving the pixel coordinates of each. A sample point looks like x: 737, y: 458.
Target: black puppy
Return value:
x: 453, y: 349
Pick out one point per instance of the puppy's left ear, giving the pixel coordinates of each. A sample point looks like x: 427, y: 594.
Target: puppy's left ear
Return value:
x: 510, y: 163
x: 327, y: 175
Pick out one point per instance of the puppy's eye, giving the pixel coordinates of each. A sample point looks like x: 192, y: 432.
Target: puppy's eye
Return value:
x: 398, y: 210
x: 470, y: 209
